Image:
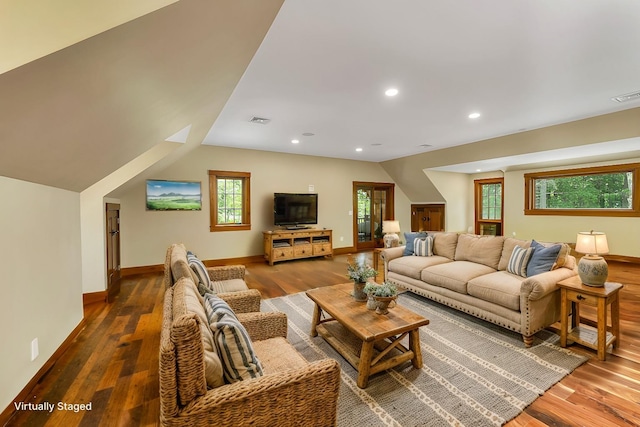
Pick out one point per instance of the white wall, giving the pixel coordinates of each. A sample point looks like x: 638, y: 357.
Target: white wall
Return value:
x: 146, y: 234
x: 41, y: 288
x: 93, y: 213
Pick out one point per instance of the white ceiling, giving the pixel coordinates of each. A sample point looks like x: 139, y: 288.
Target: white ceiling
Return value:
x: 324, y: 66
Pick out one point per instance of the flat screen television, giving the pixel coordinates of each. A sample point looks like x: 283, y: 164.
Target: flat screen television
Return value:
x: 294, y: 209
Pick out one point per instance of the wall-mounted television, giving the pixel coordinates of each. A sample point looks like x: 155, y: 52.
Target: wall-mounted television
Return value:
x: 173, y: 195
x: 294, y: 209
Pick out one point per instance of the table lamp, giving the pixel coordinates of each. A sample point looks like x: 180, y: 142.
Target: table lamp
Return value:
x: 592, y: 268
x: 389, y: 229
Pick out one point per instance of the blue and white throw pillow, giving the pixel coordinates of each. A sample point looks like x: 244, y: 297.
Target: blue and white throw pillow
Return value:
x: 423, y: 246
x: 199, y: 268
x: 519, y: 260
x: 409, y: 238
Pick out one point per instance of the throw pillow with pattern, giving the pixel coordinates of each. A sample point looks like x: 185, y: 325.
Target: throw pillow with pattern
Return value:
x: 423, y: 246
x: 199, y: 268
x: 519, y: 260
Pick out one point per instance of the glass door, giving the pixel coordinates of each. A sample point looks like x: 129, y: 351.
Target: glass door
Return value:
x: 373, y: 203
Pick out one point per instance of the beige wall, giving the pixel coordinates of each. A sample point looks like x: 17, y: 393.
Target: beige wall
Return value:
x: 41, y: 287
x: 146, y: 235
x: 623, y: 234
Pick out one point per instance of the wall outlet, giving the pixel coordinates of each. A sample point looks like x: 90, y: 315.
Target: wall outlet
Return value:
x: 34, y: 349
x: 342, y: 238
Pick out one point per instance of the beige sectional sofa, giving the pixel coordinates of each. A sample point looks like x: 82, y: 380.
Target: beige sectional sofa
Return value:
x: 469, y: 273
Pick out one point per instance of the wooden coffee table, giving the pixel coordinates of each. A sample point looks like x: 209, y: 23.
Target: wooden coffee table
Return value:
x: 370, y: 342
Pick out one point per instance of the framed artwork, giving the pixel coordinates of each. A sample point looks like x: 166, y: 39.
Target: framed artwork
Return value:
x: 173, y: 195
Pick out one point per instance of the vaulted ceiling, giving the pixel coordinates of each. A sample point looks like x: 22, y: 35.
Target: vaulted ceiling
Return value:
x: 84, y: 90
x: 75, y: 115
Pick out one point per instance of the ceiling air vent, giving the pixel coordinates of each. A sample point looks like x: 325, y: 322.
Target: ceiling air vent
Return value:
x: 260, y: 120
x: 628, y: 97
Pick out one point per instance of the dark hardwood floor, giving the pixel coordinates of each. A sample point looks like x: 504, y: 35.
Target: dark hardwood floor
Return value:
x: 113, y: 364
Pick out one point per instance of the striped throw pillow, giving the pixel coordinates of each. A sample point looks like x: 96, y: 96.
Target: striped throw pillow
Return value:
x: 217, y: 308
x: 519, y: 259
x: 239, y: 361
x: 423, y: 246
x: 201, y: 271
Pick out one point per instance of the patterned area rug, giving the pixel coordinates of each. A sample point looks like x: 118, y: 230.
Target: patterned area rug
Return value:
x: 474, y: 373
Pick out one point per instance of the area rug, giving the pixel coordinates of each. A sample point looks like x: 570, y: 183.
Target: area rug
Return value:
x: 474, y: 373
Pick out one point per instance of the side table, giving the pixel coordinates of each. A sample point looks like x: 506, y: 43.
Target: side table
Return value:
x: 572, y: 294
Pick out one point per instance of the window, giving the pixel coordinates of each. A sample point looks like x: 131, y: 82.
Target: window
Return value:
x: 229, y: 194
x: 597, y: 191
x: 489, y: 202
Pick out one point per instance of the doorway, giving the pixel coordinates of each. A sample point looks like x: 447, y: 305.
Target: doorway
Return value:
x: 113, y: 251
x: 373, y: 202
x: 427, y: 217
x: 489, y: 206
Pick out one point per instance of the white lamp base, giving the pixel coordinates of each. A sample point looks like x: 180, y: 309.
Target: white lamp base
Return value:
x: 391, y: 240
x: 593, y: 270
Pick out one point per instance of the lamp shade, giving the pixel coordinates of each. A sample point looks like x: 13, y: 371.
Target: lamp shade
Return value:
x: 592, y: 243
x: 390, y: 227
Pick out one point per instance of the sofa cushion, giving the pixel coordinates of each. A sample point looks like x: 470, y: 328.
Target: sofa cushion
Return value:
x: 423, y: 246
x: 500, y: 288
x: 484, y: 250
x: 519, y: 260
x: 444, y: 244
x: 454, y: 275
x: 409, y: 238
x: 543, y: 258
x: 239, y: 361
x: 509, y: 244
x: 412, y: 266
x: 187, y: 301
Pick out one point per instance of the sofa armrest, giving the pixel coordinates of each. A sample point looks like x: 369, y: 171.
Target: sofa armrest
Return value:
x: 264, y: 325
x: 242, y: 301
x: 226, y: 272
x: 303, y: 396
x: 391, y: 253
x: 540, y: 285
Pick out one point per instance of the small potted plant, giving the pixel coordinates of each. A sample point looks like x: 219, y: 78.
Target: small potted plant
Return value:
x: 360, y: 272
x: 370, y: 289
x: 384, y: 294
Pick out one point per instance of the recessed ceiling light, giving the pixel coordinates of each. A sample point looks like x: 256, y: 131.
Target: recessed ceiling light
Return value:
x: 358, y: 149
x: 294, y: 141
x: 478, y: 170
x: 391, y: 92
x: 474, y: 115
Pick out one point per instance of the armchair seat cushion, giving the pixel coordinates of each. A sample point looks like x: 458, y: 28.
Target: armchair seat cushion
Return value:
x: 278, y: 355
x: 231, y: 285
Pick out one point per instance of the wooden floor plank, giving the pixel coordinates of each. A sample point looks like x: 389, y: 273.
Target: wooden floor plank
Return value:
x: 114, y: 361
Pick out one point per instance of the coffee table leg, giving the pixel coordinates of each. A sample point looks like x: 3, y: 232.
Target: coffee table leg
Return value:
x: 364, y: 365
x: 316, y: 320
x: 414, y: 345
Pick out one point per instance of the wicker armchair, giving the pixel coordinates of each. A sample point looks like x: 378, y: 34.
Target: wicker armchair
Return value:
x: 229, y: 279
x: 292, y: 391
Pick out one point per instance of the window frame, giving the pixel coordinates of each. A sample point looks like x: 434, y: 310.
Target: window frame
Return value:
x: 478, y: 204
x: 529, y: 191
x: 214, y: 176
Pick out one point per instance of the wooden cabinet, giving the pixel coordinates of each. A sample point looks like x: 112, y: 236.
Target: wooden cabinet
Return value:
x: 282, y: 245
